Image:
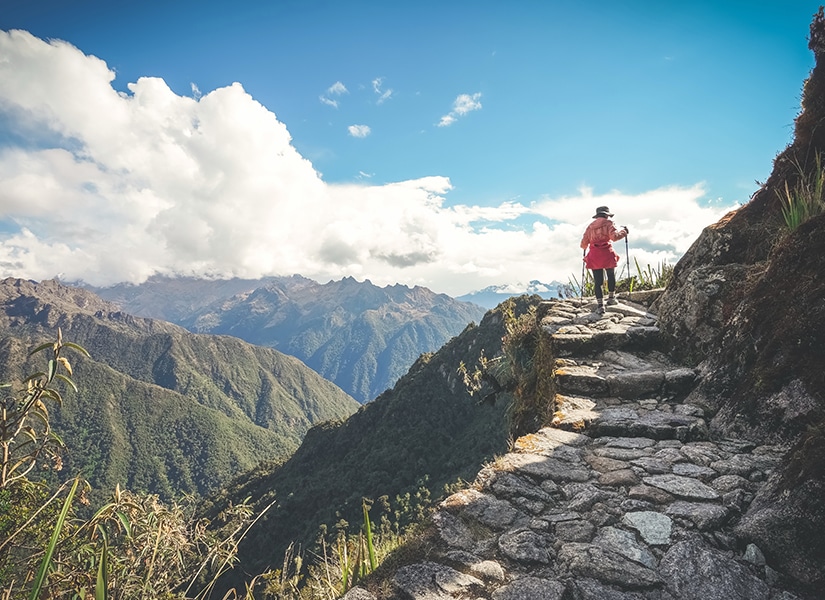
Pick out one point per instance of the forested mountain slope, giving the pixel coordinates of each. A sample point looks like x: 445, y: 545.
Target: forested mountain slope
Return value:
x: 426, y: 432
x: 359, y: 336
x: 159, y: 408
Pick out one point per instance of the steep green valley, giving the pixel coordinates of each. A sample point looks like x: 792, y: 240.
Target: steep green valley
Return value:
x: 425, y: 433
x: 160, y: 409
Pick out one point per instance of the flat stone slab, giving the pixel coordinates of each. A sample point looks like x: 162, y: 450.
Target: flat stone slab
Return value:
x: 635, y: 385
x: 654, y: 424
x: 509, y: 485
x: 653, y: 465
x: 526, y: 546
x: 695, y: 572
x: 484, y: 508
x: 534, y: 588
x: 432, y: 581
x: 358, y: 593
x: 626, y: 442
x: 682, y: 487
x: 582, y: 381
x: 545, y: 467
x: 591, y: 560
x: 548, y: 439
x: 704, y: 516
x: 621, y: 453
x: 654, y: 527
x: 577, y: 530
x: 619, y: 478
x: 687, y: 469
x: 454, y: 531
x: 573, y: 413
x: 624, y: 542
x: 651, y: 494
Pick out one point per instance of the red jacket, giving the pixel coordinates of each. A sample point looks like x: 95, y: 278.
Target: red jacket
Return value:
x: 599, y: 235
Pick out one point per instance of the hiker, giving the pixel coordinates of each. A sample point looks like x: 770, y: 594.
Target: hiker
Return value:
x: 601, y: 257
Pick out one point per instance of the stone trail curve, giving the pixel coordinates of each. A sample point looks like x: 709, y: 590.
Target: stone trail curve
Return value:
x: 624, y: 497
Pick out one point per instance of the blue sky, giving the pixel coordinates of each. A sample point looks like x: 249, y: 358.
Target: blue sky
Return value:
x: 448, y: 144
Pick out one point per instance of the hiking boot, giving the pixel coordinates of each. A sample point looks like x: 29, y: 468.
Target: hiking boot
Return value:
x: 611, y: 301
x: 600, y: 309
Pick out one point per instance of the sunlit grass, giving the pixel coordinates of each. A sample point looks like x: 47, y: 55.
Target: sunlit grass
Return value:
x: 807, y: 198
x: 650, y: 277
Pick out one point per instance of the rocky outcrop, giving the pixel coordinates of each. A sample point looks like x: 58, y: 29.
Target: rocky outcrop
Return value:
x: 715, y: 273
x: 746, y: 306
x: 627, y: 496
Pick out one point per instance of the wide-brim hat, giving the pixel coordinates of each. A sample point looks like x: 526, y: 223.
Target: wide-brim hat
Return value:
x: 603, y: 211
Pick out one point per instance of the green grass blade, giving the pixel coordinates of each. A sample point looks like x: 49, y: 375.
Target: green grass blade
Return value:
x: 102, y: 583
x: 80, y: 349
x: 368, y: 532
x: 66, y: 380
x: 40, y: 578
x: 41, y: 347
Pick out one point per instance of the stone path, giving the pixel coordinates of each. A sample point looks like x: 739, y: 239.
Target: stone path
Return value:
x: 625, y: 497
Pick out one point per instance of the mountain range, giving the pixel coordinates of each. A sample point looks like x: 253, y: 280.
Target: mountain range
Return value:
x: 493, y: 295
x: 359, y: 336
x: 161, y: 409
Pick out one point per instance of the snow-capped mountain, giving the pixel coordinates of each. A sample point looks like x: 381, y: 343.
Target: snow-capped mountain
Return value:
x: 493, y: 295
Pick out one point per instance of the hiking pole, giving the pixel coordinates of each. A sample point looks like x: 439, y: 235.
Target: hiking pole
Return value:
x: 629, y: 281
x: 581, y: 287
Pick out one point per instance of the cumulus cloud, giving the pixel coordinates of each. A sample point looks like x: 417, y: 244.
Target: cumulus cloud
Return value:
x: 336, y: 89
x: 359, y: 131
x: 114, y: 187
x: 463, y: 104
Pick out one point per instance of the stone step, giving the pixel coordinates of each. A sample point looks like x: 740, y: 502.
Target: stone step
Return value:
x: 578, y: 341
x: 576, y: 330
x: 646, y: 419
x: 588, y: 380
x: 654, y: 424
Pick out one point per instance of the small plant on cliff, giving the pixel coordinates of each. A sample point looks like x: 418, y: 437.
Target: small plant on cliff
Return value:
x: 523, y: 368
x: 344, y: 561
x: 26, y: 436
x: 530, y: 357
x: 648, y: 278
x: 807, y: 198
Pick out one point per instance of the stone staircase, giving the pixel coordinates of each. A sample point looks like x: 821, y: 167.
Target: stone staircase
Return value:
x: 625, y: 497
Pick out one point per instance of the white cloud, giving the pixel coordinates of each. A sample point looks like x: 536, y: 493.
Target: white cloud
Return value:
x: 383, y: 95
x: 466, y: 103
x: 446, y: 121
x: 336, y: 89
x: 462, y: 105
x: 122, y: 186
x: 359, y: 131
x: 328, y: 101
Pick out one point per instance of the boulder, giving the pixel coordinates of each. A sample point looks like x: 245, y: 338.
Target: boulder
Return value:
x: 786, y: 520
x: 534, y: 588
x: 693, y: 571
x: 608, y: 566
x: 432, y: 581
